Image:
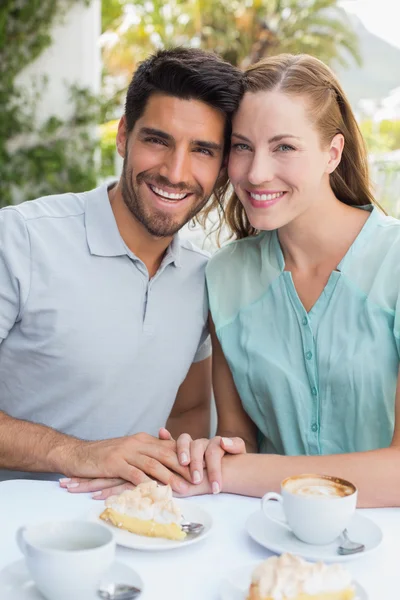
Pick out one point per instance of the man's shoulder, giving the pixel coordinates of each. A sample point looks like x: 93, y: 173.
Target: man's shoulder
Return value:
x: 56, y: 206
x: 192, y: 252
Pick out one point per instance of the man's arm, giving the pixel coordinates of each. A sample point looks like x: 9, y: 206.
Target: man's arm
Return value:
x: 191, y: 410
x: 26, y: 446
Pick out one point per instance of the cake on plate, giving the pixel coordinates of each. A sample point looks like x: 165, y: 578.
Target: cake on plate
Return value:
x: 289, y: 577
x: 148, y: 509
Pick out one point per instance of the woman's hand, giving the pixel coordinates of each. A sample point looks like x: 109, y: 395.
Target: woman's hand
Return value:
x: 205, y: 453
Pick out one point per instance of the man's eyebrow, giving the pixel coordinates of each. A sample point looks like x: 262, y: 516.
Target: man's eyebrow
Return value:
x: 157, y: 132
x: 207, y: 145
x: 275, y: 138
x: 166, y: 136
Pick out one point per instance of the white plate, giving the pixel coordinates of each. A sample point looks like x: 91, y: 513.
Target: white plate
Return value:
x: 191, y: 512
x: 280, y: 540
x: 236, y: 585
x: 16, y: 582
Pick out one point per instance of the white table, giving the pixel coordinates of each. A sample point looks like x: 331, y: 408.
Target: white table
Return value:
x: 195, y: 572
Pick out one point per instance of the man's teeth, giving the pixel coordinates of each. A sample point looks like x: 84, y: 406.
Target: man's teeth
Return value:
x: 264, y: 197
x: 166, y: 195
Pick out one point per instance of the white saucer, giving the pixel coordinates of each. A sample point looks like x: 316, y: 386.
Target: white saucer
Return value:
x: 280, y: 540
x: 16, y: 582
x: 235, y: 585
x: 191, y: 512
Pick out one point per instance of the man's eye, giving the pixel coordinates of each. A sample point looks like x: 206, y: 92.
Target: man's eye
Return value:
x: 154, y: 140
x: 204, y: 151
x: 240, y: 147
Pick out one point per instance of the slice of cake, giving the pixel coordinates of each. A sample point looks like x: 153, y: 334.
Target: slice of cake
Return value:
x: 149, y: 510
x: 289, y: 577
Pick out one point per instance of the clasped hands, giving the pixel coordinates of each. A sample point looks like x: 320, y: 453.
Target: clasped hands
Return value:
x: 190, y: 467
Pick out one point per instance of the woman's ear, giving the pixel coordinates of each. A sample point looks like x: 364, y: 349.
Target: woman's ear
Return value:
x: 335, y: 152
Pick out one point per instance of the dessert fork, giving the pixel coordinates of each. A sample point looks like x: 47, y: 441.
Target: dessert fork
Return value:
x: 190, y: 527
x: 348, y: 546
x: 118, y: 591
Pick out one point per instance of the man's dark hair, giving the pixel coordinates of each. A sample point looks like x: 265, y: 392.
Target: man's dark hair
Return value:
x: 188, y: 74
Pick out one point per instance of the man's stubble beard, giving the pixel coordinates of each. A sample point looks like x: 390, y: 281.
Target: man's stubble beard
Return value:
x: 158, y: 224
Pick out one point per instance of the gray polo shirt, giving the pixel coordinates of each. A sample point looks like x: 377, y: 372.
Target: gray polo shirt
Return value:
x: 88, y: 344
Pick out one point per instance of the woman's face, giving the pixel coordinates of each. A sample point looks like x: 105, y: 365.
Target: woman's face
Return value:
x: 277, y: 165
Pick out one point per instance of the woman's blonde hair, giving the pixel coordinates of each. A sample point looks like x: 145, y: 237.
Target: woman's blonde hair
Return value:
x: 329, y: 111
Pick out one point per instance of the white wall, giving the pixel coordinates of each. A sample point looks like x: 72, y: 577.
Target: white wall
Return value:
x: 74, y: 57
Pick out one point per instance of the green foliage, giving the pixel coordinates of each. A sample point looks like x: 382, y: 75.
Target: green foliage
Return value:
x: 54, y: 163
x: 241, y: 31
x: 381, y: 137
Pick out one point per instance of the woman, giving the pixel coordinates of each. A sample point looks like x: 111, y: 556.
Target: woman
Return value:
x: 306, y: 312
x: 305, y: 303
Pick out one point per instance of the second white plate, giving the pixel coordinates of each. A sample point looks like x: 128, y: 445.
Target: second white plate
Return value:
x: 191, y: 512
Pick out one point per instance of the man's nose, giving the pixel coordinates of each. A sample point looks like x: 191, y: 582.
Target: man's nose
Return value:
x: 176, y: 167
x: 261, y: 169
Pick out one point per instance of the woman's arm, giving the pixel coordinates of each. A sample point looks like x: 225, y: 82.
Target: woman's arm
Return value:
x: 376, y: 473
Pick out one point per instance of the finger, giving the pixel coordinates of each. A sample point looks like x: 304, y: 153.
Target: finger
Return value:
x: 152, y: 467
x: 183, y: 448
x: 233, y: 445
x: 214, y: 454
x: 166, y: 456
x: 112, y: 491
x: 164, y: 434
x: 93, y: 485
x: 65, y: 481
x: 197, y: 454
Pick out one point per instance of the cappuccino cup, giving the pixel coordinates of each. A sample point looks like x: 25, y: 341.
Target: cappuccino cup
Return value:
x: 316, y: 508
x: 67, y: 559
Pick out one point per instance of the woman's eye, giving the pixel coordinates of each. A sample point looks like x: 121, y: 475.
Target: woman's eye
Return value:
x: 240, y: 147
x: 285, y: 148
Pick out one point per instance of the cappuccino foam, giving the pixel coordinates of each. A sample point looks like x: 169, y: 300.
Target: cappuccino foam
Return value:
x: 318, y: 487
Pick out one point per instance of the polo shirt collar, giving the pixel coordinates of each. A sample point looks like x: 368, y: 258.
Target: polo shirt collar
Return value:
x: 102, y: 232
x: 103, y: 235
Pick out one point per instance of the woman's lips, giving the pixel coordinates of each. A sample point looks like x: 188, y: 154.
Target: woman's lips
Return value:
x: 264, y: 199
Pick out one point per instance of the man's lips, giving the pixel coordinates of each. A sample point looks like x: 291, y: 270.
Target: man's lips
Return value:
x: 169, y: 195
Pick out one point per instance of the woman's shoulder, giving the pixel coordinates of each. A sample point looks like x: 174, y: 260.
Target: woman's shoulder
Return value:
x: 239, y: 255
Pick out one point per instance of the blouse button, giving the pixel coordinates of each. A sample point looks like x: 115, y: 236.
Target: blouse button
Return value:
x: 314, y: 391
x: 314, y: 427
x: 308, y: 355
x: 305, y: 321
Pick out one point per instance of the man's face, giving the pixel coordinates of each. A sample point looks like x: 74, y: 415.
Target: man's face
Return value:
x: 172, y: 159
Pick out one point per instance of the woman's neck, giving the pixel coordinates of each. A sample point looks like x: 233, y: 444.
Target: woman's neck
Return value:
x: 322, y: 235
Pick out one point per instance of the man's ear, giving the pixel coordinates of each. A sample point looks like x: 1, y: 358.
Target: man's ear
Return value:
x: 223, y: 173
x: 121, y: 137
x: 335, y: 152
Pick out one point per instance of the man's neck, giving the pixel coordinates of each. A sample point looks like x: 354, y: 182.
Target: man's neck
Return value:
x: 148, y: 248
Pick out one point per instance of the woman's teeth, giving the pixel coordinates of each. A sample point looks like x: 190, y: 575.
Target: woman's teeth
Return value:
x: 266, y: 197
x: 166, y: 195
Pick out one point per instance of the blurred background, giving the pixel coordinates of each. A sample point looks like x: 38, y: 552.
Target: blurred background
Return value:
x: 65, y: 66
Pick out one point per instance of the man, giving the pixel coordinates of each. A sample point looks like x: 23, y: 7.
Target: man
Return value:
x: 102, y: 307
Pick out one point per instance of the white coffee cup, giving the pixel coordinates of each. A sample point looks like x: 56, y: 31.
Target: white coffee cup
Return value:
x: 67, y: 559
x: 317, y: 508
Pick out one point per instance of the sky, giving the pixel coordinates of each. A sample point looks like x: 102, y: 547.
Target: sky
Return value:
x: 381, y: 17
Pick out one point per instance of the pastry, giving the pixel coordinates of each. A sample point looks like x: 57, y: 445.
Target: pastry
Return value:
x: 289, y: 577
x: 148, y: 509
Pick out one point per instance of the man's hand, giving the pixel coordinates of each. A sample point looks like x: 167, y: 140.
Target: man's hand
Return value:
x: 127, y: 460
x: 201, y: 453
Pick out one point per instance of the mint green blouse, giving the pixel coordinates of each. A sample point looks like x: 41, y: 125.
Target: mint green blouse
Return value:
x: 321, y: 382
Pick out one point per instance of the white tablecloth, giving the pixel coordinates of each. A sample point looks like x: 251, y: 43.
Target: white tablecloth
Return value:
x: 195, y: 572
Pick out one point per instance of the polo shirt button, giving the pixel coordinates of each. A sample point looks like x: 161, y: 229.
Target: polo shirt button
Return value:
x: 314, y: 391
x: 314, y: 427
x: 308, y: 355
x: 305, y: 321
